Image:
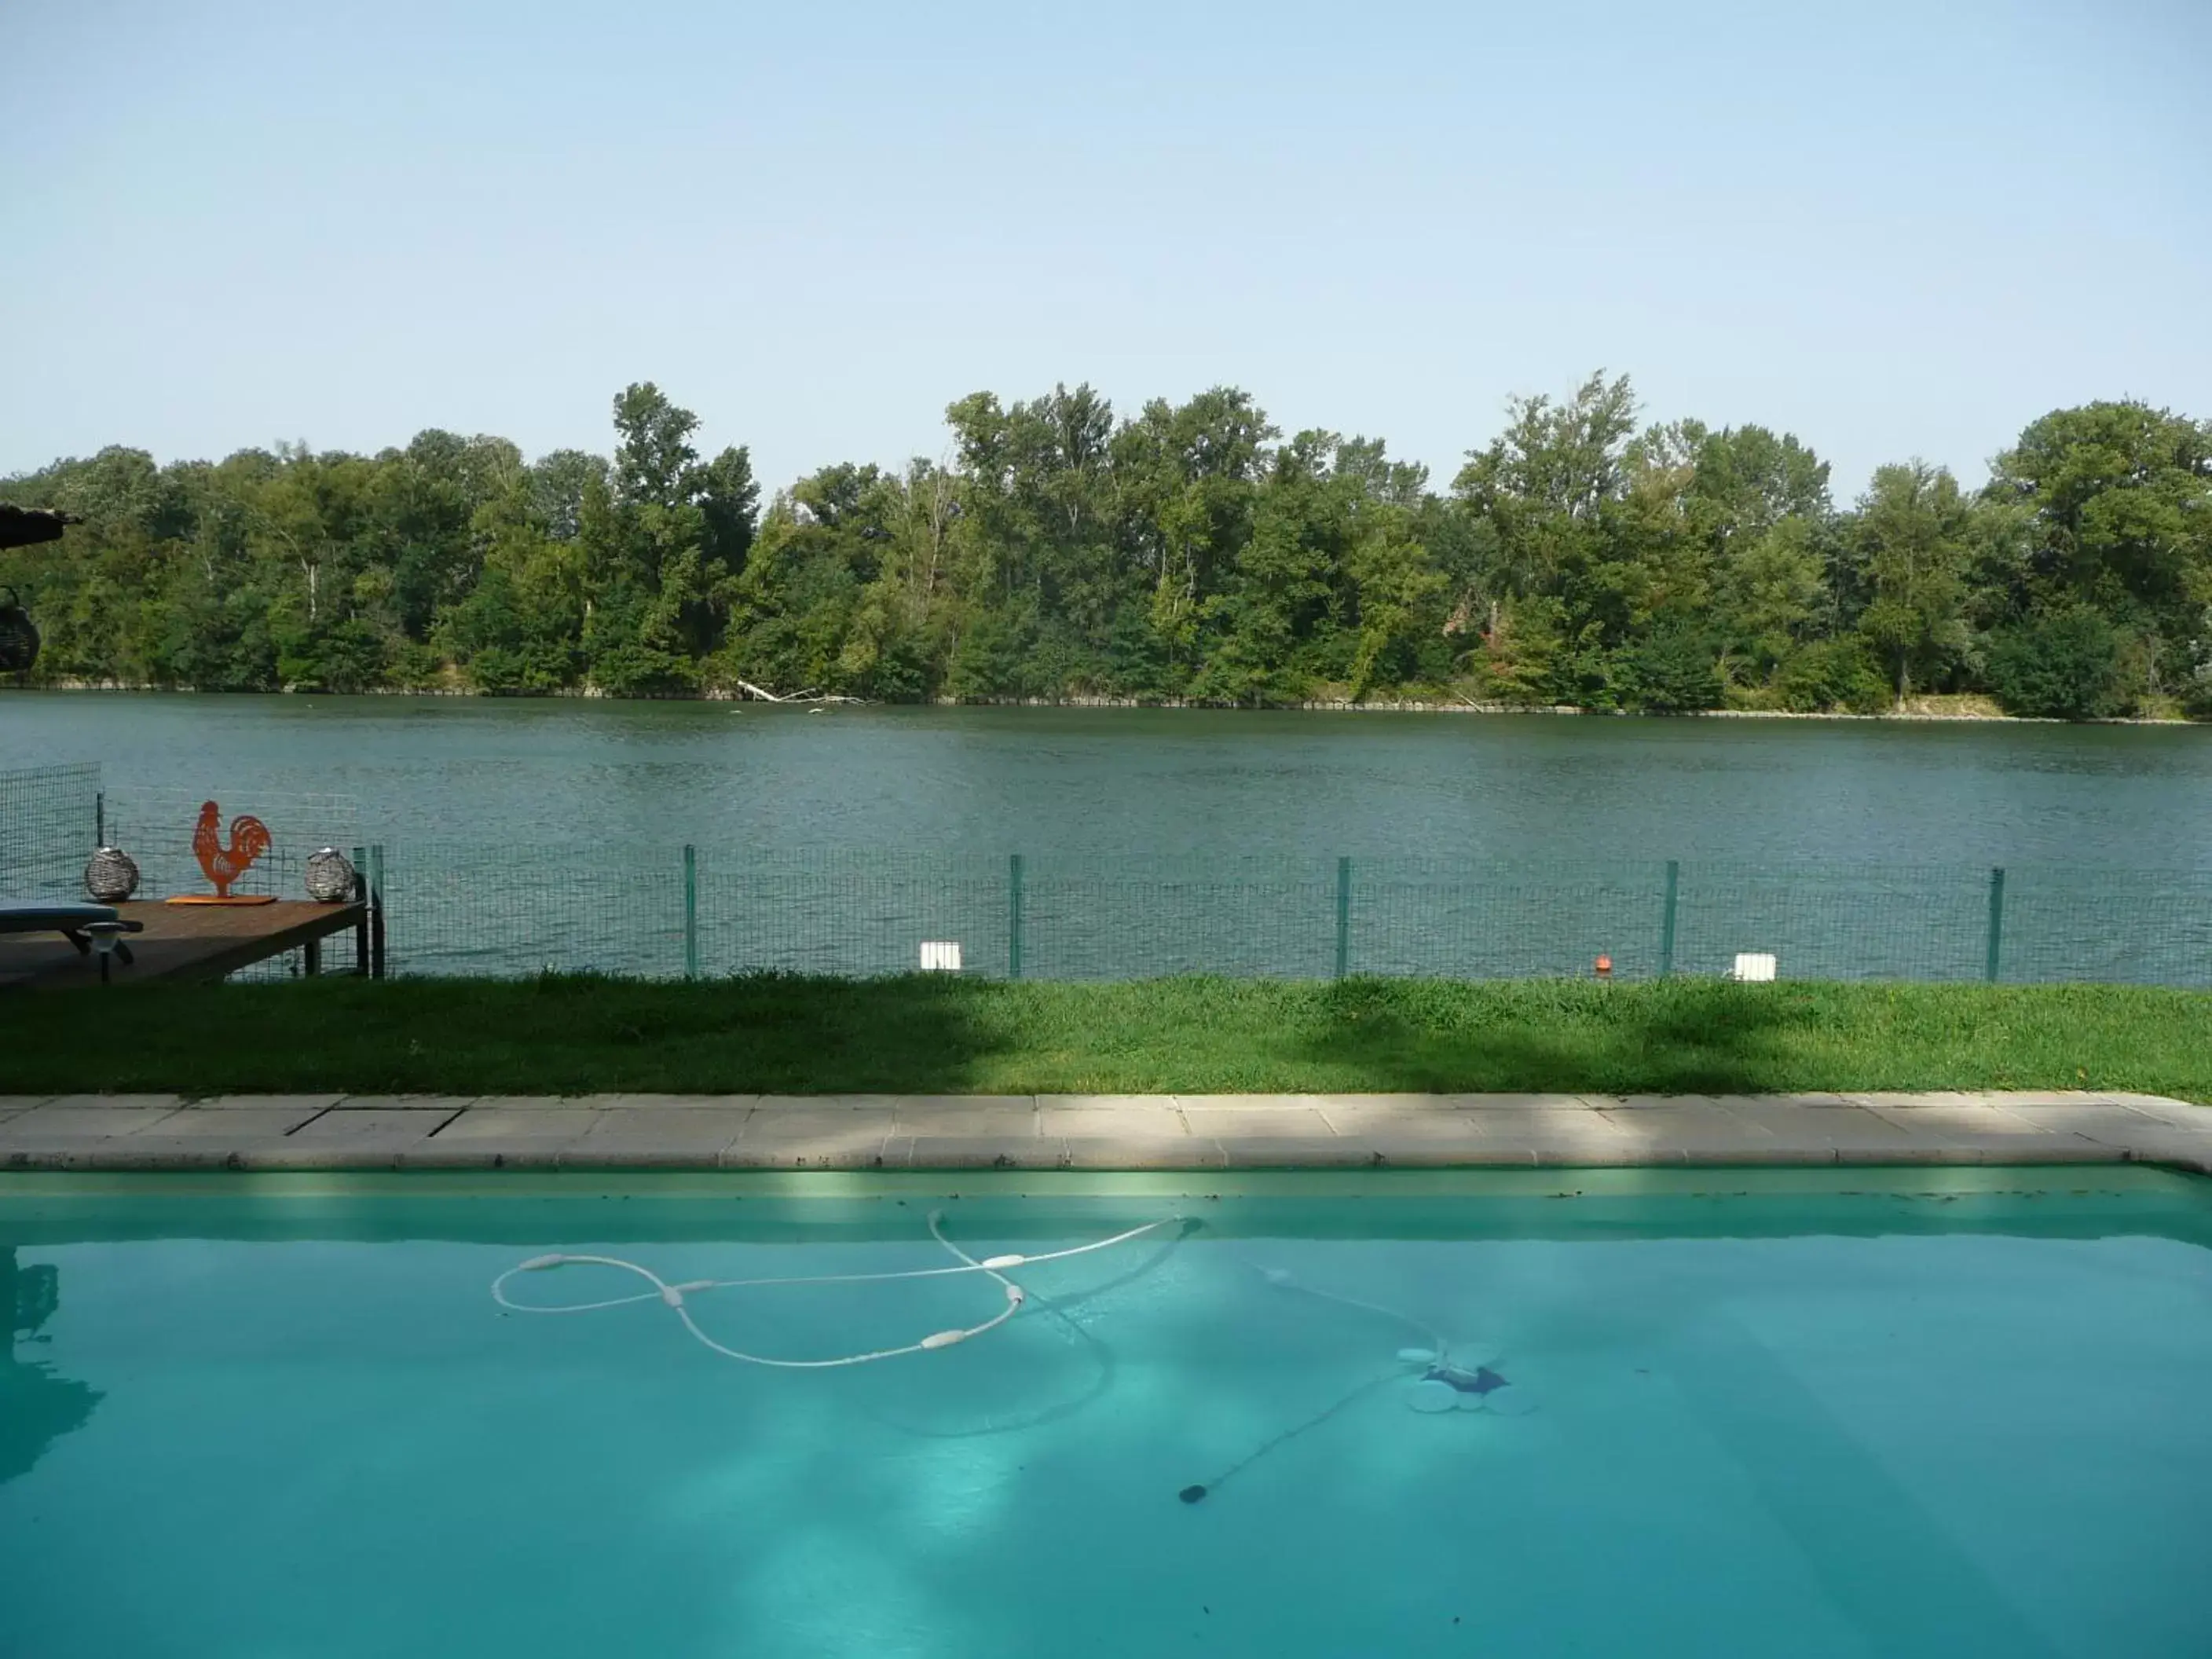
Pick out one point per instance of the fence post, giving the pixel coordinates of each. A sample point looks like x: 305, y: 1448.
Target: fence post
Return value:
x: 376, y: 911
x: 1996, y: 924
x: 360, y: 897
x: 1013, y: 915
x: 1666, y: 920
x: 691, y: 911
x: 99, y: 817
x: 1343, y: 917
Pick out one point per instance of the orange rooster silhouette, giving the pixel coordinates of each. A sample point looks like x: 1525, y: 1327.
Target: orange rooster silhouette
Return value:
x: 249, y: 840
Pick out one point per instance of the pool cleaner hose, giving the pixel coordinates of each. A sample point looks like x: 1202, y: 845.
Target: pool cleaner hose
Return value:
x: 676, y: 1297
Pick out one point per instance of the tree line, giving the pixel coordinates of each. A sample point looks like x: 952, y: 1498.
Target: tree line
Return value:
x: 1188, y: 552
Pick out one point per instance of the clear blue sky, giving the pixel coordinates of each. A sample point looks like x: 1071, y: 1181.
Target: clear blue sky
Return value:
x: 1891, y: 225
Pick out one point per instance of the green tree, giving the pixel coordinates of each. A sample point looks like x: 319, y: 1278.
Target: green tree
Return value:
x: 2070, y: 663
x: 2115, y: 505
x: 1912, y: 535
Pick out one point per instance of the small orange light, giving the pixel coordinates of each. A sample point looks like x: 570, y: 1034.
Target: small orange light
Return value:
x: 1605, y: 967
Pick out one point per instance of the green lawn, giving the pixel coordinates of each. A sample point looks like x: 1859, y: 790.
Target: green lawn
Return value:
x: 939, y: 1035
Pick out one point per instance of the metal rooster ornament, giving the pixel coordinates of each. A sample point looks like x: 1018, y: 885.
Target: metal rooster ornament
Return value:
x: 249, y: 840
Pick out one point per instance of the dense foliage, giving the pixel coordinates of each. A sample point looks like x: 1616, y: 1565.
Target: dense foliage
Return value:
x: 1190, y: 551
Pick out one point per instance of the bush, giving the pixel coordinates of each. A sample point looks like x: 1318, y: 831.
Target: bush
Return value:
x: 2065, y: 665
x: 1671, y: 671
x: 1832, y: 674
x: 631, y: 670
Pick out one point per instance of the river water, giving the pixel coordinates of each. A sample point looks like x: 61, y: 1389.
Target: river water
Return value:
x: 1416, y: 801
x: 1148, y: 781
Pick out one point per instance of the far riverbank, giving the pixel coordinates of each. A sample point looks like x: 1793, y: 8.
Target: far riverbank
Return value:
x: 1960, y: 709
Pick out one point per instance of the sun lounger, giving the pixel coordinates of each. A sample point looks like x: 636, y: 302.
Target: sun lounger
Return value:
x: 69, y: 921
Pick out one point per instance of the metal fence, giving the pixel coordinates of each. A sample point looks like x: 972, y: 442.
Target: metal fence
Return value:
x: 456, y: 907
x: 709, y: 912
x: 49, y: 825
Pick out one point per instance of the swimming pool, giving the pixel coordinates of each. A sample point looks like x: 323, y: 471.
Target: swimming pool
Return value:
x: 1847, y: 1412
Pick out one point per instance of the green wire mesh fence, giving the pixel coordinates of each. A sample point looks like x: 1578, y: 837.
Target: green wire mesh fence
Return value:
x: 455, y: 907
x: 707, y: 912
x: 49, y: 826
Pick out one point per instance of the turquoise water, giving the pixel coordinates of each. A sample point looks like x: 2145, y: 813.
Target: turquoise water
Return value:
x: 1840, y: 1413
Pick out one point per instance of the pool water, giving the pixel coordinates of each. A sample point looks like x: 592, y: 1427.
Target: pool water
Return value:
x: 1855, y: 1413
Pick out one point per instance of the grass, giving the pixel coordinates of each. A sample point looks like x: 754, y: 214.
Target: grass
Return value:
x: 934, y: 1034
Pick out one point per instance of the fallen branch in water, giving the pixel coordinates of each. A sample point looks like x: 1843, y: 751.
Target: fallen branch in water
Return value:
x: 761, y: 694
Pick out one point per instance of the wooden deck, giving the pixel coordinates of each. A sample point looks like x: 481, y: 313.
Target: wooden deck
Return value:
x: 192, y: 942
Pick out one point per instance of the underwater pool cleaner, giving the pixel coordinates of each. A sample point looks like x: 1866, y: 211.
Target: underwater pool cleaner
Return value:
x: 676, y: 1297
x: 1440, y: 1384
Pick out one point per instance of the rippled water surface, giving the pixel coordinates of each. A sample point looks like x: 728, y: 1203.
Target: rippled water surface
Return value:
x: 1143, y: 782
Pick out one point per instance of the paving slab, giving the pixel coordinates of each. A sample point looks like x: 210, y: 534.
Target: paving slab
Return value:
x: 60, y: 1120
x: 1096, y: 1132
x: 1112, y: 1123
x: 937, y: 1120
x: 519, y: 1124
x: 826, y: 1103
x: 233, y: 1123
x: 1906, y: 1101
x: 1509, y: 1102
x: 1946, y: 1120
x: 661, y: 1131
x: 1541, y: 1123
x: 113, y: 1102
x: 2096, y: 1122
x: 309, y: 1105
x: 1711, y: 1133
x: 1384, y: 1103
x: 1397, y: 1124
x: 2180, y: 1112
x: 848, y: 1134
x: 1294, y: 1123
x: 370, y: 1125
x: 768, y: 1124
x: 1106, y: 1103
x: 447, y: 1103
x: 1826, y: 1125
x: 636, y: 1103
x: 965, y: 1102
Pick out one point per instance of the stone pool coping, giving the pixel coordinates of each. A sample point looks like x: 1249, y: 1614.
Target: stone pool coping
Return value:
x: 1094, y: 1132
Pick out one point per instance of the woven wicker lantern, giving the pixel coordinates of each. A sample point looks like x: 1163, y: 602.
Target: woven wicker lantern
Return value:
x: 330, y: 876
x: 111, y: 877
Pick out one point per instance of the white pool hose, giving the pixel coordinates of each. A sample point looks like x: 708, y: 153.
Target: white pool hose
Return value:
x: 677, y: 1297
x: 1438, y: 1352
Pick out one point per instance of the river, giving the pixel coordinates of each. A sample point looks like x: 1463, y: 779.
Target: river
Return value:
x: 534, y: 833
x: 1151, y: 781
